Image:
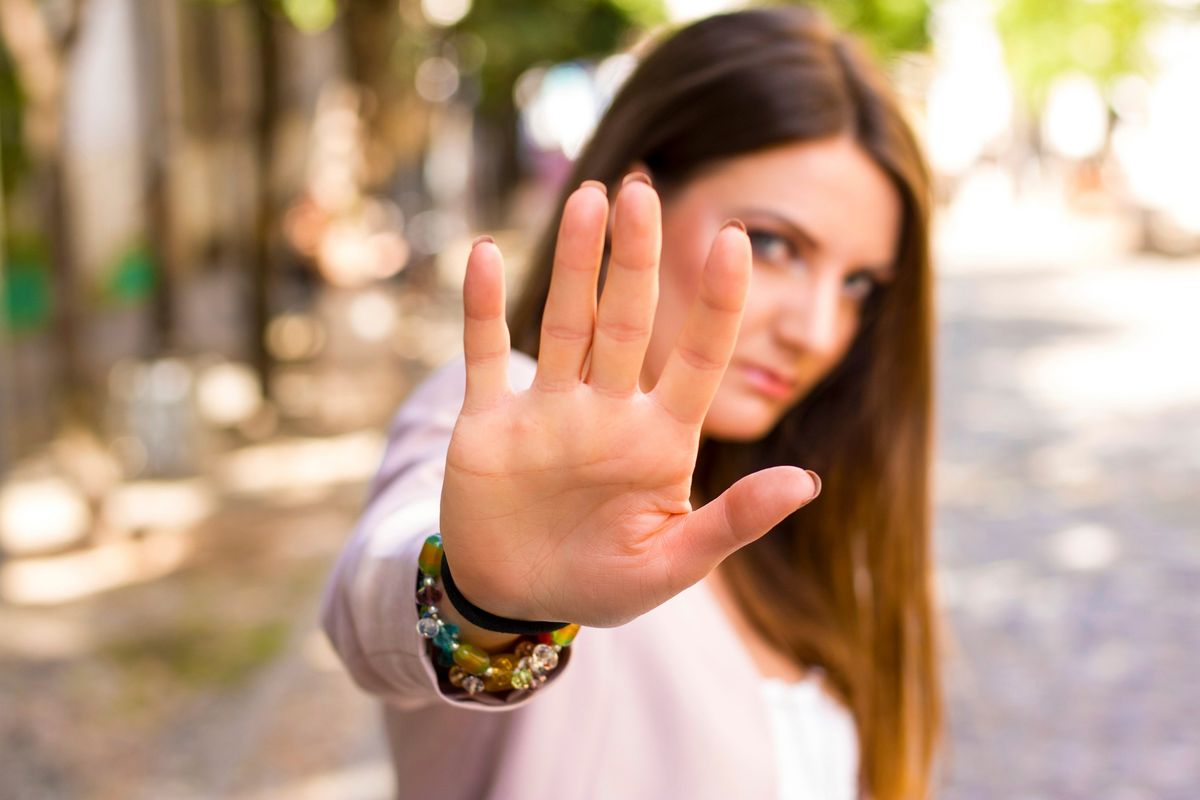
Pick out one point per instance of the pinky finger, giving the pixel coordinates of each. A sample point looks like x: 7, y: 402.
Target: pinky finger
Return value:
x: 485, y: 331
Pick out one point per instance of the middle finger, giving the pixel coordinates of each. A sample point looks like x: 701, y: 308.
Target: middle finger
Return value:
x: 625, y: 318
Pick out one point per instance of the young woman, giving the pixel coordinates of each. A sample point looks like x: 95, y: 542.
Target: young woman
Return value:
x: 623, y: 454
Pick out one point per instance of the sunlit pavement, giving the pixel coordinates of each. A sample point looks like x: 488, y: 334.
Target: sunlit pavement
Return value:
x: 1069, y: 521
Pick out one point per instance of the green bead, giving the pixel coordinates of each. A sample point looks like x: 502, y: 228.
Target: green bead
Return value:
x: 430, y: 560
x: 447, y: 636
x: 521, y: 679
x: 471, y: 658
x: 443, y: 658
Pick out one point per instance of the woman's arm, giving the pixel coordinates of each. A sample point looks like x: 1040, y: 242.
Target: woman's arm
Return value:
x: 369, y: 613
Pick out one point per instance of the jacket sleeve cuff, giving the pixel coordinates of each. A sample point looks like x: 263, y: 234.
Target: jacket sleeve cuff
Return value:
x: 372, y: 600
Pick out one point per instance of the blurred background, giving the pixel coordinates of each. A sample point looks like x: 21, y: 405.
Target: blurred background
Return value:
x: 233, y: 237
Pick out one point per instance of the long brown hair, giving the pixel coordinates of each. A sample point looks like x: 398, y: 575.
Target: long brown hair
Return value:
x: 845, y: 584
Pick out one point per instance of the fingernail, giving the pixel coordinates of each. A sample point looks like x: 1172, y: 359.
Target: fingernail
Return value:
x: 734, y: 223
x: 595, y: 185
x: 637, y: 176
x: 817, y: 480
x: 481, y: 239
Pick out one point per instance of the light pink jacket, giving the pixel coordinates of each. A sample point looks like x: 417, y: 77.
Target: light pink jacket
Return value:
x: 666, y: 706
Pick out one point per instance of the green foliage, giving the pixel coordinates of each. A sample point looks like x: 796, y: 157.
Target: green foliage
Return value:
x: 14, y: 160
x: 27, y: 295
x: 131, y: 279
x: 310, y: 16
x: 1099, y: 38
x: 889, y: 27
x: 518, y: 35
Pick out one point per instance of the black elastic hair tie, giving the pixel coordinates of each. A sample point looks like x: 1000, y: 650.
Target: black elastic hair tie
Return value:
x: 484, y: 619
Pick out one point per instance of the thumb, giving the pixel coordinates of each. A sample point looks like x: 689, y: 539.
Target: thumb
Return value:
x: 743, y: 512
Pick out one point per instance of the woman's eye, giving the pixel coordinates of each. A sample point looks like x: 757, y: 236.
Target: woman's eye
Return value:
x: 770, y: 247
x: 861, y: 285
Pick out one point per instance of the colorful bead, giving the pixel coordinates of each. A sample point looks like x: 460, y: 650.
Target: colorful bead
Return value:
x: 471, y: 658
x: 430, y: 559
x: 499, y: 675
x: 428, y: 627
x: 522, y: 679
x: 444, y: 659
x: 428, y: 594
x: 456, y: 676
x: 545, y: 657
x: 473, y: 684
x: 524, y: 648
x: 564, y: 635
x: 447, y: 636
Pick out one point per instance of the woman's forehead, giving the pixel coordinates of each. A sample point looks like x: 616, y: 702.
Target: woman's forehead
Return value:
x: 829, y: 187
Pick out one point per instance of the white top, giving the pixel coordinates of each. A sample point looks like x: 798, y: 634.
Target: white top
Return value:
x: 816, y: 743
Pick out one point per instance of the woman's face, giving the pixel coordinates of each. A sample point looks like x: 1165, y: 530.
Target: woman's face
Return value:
x: 824, y: 222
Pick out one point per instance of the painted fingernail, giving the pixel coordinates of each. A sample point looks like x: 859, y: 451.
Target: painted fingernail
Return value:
x: 595, y: 185
x: 817, y: 480
x: 637, y: 176
x: 734, y: 223
x: 481, y: 239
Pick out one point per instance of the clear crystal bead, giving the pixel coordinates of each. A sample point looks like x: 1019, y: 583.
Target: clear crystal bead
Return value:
x: 428, y: 627
x: 544, y: 657
x: 473, y: 684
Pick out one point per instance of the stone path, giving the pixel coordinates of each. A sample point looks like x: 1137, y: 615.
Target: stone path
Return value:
x: 1069, y: 526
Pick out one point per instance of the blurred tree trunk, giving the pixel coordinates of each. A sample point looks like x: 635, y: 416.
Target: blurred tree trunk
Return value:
x: 502, y: 172
x: 41, y: 51
x: 396, y: 120
x: 152, y: 54
x: 262, y: 246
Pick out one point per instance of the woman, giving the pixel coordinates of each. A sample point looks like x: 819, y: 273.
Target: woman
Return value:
x: 630, y: 463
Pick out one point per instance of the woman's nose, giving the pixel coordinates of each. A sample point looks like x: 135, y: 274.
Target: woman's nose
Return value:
x: 808, y: 318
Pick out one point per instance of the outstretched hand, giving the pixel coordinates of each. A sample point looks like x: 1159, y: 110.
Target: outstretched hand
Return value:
x: 570, y: 500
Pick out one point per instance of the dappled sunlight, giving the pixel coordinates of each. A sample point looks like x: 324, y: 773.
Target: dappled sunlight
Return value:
x: 300, y: 465
x: 52, y: 580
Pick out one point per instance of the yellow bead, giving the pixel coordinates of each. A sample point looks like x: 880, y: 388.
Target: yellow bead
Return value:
x: 501, y: 676
x: 471, y: 658
x: 430, y: 559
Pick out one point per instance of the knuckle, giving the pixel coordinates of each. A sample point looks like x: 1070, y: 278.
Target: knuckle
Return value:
x: 566, y: 333
x: 697, y: 359
x: 622, y: 332
x: 482, y: 358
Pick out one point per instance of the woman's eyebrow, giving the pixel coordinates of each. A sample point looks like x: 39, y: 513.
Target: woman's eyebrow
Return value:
x: 885, y: 272
x: 795, y: 228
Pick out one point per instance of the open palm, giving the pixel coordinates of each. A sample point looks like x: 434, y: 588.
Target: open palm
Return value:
x: 570, y: 500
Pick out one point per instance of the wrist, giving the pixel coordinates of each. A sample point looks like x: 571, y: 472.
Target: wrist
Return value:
x: 471, y: 667
x: 492, y: 641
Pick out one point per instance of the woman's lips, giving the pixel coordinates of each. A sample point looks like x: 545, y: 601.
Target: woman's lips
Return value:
x: 766, y: 381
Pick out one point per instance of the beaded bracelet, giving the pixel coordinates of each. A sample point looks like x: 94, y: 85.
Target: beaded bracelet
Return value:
x: 472, y: 668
